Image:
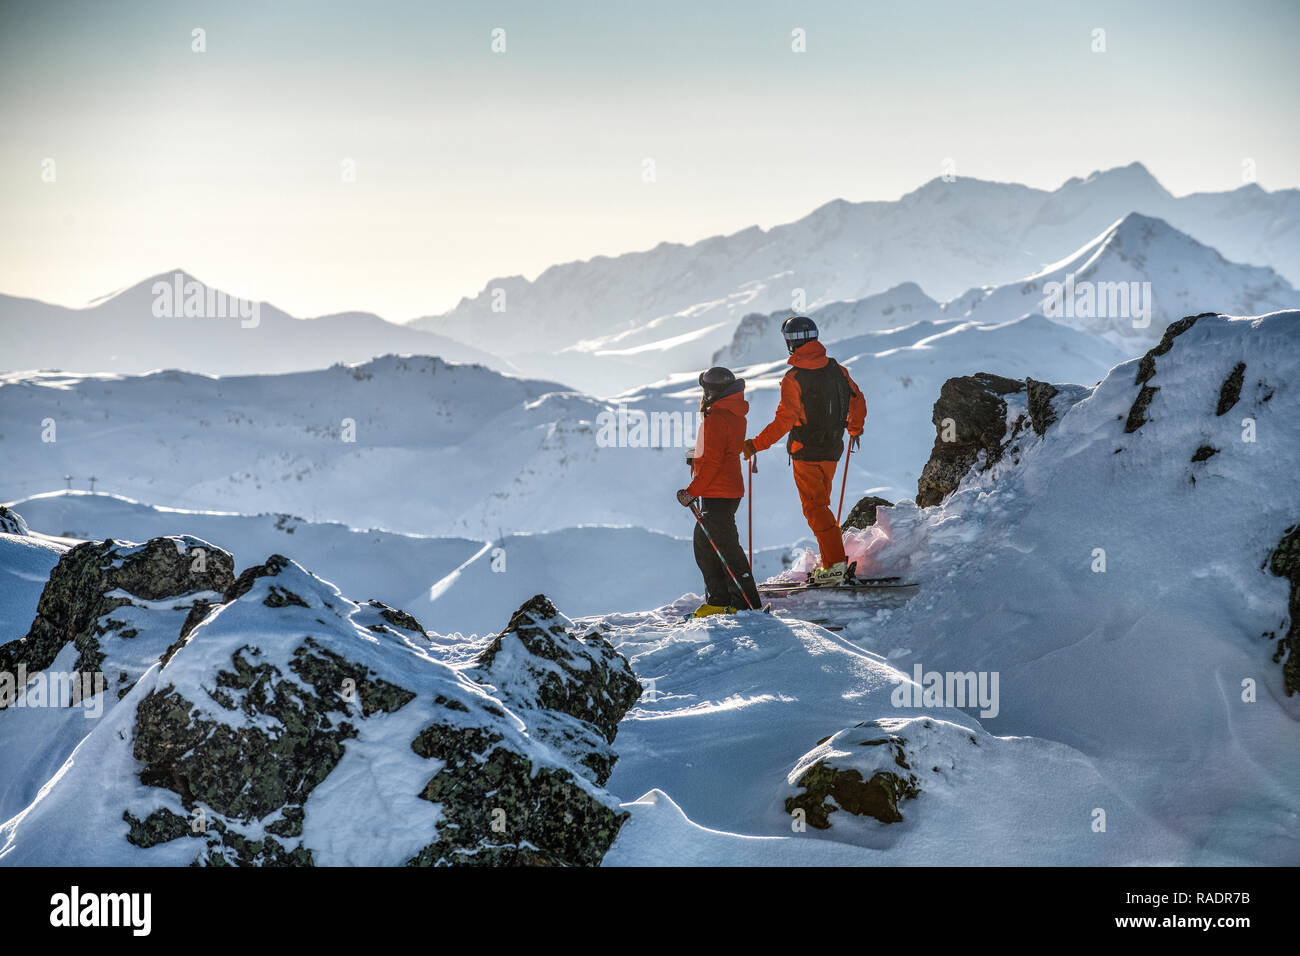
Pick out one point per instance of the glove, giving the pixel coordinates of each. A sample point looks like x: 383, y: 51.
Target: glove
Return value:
x: 855, y: 442
x: 750, y: 450
x: 685, y: 498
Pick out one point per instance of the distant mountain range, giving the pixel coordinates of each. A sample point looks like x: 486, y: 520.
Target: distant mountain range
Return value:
x: 1125, y: 285
x: 966, y: 250
x: 173, y: 320
x: 646, y: 310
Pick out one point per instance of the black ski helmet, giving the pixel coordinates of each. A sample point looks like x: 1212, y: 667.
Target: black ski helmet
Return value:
x: 716, y: 379
x: 797, y: 330
x: 719, y: 381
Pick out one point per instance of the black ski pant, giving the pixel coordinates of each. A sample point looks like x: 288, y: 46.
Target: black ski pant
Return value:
x: 719, y: 516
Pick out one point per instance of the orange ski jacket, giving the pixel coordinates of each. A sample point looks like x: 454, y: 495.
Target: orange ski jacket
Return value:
x: 790, y: 409
x: 715, y: 469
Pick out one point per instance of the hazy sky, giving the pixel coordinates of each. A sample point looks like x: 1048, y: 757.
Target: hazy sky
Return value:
x: 471, y: 164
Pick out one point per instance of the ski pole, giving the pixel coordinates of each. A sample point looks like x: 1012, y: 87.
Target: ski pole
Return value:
x: 844, y: 481
x: 753, y: 467
x: 695, y: 510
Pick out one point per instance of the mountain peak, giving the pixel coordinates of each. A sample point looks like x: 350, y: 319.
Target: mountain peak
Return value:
x: 1134, y: 178
x: 1136, y: 221
x: 145, y: 286
x: 1137, y: 230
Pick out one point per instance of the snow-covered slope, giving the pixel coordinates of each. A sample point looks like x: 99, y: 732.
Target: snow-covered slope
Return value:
x: 124, y: 332
x: 1130, y: 282
x: 1142, y: 715
x: 407, y: 443
x: 945, y: 236
x: 463, y: 451
x: 452, y: 585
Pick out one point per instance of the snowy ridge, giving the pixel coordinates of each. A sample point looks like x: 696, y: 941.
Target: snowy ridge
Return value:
x: 1130, y: 282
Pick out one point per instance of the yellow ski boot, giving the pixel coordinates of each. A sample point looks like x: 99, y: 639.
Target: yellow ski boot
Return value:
x: 704, y: 610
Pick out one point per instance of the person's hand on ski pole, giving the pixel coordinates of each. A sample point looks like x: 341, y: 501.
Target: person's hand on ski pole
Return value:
x: 685, y: 498
x: 750, y: 450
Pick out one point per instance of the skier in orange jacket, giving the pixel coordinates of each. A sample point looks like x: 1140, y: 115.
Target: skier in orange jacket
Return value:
x: 717, y: 483
x: 819, y: 401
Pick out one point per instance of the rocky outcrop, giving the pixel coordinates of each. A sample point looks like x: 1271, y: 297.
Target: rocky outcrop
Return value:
x: 863, y: 514
x: 1230, y: 390
x: 298, y: 723
x: 864, y: 771
x: 1041, y: 412
x: 970, y: 419
x: 877, y: 769
x: 1285, y: 563
x: 572, y: 691
x: 394, y: 618
x: 269, y: 680
x: 973, y: 430
x: 97, y: 590
x: 1147, y: 369
x: 11, y: 522
x: 500, y: 808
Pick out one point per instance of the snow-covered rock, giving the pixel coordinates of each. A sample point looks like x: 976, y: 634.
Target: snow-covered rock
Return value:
x: 11, y: 522
x: 571, y: 690
x: 863, y: 513
x: 103, y: 601
x: 282, y: 724
x: 1285, y: 563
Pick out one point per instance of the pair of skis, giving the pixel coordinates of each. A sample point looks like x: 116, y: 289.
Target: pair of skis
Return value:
x: 856, y: 584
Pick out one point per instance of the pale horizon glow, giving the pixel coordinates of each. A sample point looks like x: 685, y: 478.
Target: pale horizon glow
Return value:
x: 472, y: 165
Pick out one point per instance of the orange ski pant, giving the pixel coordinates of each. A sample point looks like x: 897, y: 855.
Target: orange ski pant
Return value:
x: 815, y: 481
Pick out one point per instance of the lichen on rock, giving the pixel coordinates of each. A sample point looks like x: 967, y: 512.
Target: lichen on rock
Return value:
x: 572, y: 690
x: 500, y: 809
x: 863, y: 770
x: 1285, y: 563
x: 1041, y: 412
x: 90, y: 591
x: 1146, y: 370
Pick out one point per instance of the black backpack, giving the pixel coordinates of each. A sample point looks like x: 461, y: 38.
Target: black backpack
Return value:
x: 825, y: 392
